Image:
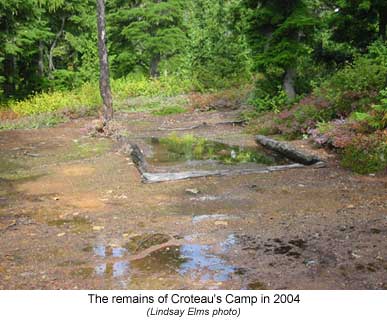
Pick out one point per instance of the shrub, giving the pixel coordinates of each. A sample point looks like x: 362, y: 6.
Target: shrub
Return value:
x: 88, y: 94
x: 367, y: 154
x: 377, y: 117
x: 270, y: 103
x: 85, y: 96
x: 354, y: 87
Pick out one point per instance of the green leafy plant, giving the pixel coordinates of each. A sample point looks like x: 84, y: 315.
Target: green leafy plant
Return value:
x: 366, y: 154
x: 270, y: 103
x: 377, y: 117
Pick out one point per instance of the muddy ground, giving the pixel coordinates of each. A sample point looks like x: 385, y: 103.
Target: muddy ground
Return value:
x: 74, y: 214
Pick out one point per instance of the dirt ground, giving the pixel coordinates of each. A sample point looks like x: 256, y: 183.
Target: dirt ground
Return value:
x: 74, y: 214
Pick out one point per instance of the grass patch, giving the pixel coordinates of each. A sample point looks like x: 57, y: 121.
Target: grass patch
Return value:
x: 86, y: 150
x: 169, y: 110
x: 34, y: 121
x: 87, y: 96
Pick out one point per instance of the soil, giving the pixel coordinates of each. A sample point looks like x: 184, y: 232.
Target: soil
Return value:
x: 74, y: 214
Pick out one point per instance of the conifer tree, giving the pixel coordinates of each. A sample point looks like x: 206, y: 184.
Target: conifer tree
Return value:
x: 145, y: 32
x: 279, y: 32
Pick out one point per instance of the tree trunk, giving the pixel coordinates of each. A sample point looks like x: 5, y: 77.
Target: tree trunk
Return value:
x: 383, y: 23
x: 51, y: 66
x: 9, y: 87
x: 40, y: 61
x: 154, y: 65
x: 104, y: 81
x: 289, y: 83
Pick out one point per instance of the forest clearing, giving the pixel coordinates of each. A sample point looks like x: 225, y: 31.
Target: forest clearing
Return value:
x: 88, y: 222
x: 193, y: 145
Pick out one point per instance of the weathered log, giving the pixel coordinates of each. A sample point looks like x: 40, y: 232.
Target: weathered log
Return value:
x: 156, y: 177
x: 287, y: 151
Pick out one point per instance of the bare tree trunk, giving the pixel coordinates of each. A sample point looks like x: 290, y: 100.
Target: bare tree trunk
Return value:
x: 154, y: 65
x: 383, y: 23
x: 40, y: 61
x: 51, y: 66
x: 289, y: 83
x: 104, y: 81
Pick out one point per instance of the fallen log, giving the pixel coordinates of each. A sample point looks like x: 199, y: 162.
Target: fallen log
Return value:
x: 287, y: 151
x: 156, y: 177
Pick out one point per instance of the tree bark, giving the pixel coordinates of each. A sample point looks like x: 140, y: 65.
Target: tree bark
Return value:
x: 154, y: 65
x: 104, y: 81
x: 383, y: 23
x: 51, y: 66
x: 289, y: 83
x: 40, y: 61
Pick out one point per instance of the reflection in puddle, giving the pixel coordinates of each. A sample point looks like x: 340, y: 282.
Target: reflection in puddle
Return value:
x: 193, y: 261
x: 200, y: 218
x: 103, y: 251
x: 230, y: 241
x: 175, y: 148
x: 202, y: 265
x: 142, y: 242
x: 117, y: 269
x: 205, y: 198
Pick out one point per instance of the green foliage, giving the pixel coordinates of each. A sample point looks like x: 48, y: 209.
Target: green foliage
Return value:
x: 355, y: 86
x: 377, y: 117
x: 145, y: 33
x: 140, y: 85
x: 218, y: 53
x: 367, y: 154
x: 279, y: 33
x: 270, y: 103
x: 87, y: 96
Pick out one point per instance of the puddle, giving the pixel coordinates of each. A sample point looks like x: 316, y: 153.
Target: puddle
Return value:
x: 139, y: 243
x: 206, y: 198
x: 201, y: 218
x: 174, y: 149
x: 77, y: 224
x: 105, y: 251
x: 117, y: 269
x: 192, y: 261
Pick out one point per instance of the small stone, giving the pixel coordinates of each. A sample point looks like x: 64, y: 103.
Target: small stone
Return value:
x: 193, y: 191
x: 56, y: 198
x: 61, y: 234
x: 351, y: 207
x: 98, y: 228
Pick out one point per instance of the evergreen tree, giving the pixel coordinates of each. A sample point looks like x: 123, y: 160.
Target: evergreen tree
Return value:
x: 218, y: 51
x: 145, y: 32
x: 279, y: 32
x: 358, y: 22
